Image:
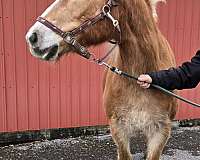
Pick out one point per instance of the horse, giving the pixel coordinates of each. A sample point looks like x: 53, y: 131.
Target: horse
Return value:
x: 130, y: 109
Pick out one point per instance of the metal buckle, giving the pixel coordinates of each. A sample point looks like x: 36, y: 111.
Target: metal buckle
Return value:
x: 106, y: 10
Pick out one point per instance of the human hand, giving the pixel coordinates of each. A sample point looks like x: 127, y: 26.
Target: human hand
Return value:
x: 144, y: 81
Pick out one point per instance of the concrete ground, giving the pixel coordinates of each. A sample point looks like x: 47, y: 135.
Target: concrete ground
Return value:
x: 183, y: 145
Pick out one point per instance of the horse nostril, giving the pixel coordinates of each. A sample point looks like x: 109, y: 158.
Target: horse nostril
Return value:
x: 33, y: 38
x: 52, y: 52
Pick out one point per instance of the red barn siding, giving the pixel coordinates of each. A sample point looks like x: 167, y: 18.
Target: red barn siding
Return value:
x: 38, y: 95
x: 180, y: 23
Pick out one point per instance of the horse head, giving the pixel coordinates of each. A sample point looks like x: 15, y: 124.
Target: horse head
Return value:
x: 67, y: 15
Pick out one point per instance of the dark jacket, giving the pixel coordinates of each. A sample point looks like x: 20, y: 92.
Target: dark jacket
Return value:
x: 184, y: 77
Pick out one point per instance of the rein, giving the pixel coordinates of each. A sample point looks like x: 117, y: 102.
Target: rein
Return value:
x: 69, y: 38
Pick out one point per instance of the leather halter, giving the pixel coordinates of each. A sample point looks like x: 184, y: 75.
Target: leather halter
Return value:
x: 69, y: 37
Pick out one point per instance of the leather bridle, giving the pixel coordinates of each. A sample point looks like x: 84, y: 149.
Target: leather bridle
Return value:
x: 70, y: 37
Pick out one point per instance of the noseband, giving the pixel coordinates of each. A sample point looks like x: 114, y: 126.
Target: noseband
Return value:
x: 69, y: 37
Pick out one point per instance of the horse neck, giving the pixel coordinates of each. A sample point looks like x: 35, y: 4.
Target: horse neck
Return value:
x: 139, y: 50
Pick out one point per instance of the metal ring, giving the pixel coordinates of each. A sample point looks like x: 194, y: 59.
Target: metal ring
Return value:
x: 115, y: 23
x: 106, y: 9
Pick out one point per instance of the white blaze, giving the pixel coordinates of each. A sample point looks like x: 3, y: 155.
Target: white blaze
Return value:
x: 46, y: 37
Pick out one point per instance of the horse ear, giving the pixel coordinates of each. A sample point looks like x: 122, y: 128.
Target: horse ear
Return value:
x: 153, y: 6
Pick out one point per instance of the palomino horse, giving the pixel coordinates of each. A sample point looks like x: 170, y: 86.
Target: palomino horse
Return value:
x: 129, y: 108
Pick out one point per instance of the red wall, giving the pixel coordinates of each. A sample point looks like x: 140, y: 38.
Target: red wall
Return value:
x: 180, y: 23
x: 38, y: 95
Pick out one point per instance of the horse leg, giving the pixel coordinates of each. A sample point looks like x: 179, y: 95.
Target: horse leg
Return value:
x: 122, y: 141
x: 157, y: 141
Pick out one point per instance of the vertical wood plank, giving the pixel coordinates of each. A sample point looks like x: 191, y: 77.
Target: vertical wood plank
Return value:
x: 21, y: 64
x: 33, y: 76
x: 65, y: 92
x: 84, y: 93
x: 9, y: 46
x: 75, y: 94
x: 3, y: 105
x: 54, y: 96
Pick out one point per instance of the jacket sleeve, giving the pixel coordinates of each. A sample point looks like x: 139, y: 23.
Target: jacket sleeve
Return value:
x: 184, y: 77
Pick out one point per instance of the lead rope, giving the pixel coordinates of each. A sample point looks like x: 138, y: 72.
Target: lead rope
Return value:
x: 163, y: 90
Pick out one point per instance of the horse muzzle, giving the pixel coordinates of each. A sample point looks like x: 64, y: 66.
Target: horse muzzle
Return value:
x: 47, y: 52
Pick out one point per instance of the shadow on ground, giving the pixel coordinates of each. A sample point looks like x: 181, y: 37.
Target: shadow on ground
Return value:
x: 184, y: 145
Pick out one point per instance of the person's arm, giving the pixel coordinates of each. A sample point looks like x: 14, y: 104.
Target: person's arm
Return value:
x: 184, y: 77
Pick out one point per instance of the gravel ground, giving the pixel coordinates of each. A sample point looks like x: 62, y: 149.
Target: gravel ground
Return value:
x: 184, y: 145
